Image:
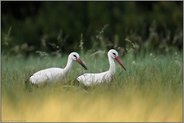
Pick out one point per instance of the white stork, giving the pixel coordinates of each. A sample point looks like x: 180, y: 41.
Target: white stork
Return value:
x: 93, y: 78
x: 55, y: 74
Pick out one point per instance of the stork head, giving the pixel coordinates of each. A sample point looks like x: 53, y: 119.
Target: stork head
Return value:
x: 75, y: 57
x: 114, y: 54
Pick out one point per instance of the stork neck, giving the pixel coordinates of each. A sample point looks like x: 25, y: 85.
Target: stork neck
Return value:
x: 112, y: 65
x: 68, y: 65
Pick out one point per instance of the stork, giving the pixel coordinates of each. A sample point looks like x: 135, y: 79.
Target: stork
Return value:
x: 54, y: 74
x: 93, y: 78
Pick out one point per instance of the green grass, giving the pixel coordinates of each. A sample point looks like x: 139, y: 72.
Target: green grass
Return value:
x: 150, y: 90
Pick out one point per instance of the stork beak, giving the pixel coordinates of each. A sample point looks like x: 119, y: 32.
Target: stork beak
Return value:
x: 118, y: 60
x: 81, y: 63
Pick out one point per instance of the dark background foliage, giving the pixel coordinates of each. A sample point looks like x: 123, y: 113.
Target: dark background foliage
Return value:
x: 28, y: 27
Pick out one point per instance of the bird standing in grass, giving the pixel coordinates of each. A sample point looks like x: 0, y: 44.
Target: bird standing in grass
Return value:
x: 93, y: 78
x: 51, y: 75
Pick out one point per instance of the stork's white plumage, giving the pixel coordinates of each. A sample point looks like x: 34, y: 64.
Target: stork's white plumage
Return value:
x: 55, y: 74
x: 93, y: 78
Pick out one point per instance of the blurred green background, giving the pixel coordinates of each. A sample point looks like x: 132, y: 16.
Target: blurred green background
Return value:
x: 62, y: 27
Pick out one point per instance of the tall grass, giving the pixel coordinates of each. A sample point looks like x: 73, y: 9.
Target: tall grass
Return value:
x: 150, y: 90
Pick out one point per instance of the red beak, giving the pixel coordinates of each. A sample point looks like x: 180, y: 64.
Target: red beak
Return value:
x: 118, y: 60
x: 81, y: 63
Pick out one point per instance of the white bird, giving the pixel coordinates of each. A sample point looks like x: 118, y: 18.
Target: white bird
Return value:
x: 55, y: 74
x: 93, y: 78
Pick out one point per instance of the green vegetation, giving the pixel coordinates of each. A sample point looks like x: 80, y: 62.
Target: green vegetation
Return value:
x: 150, y: 90
x: 28, y: 27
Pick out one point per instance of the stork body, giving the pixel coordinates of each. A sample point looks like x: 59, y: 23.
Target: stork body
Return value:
x: 93, y: 78
x: 48, y: 75
x: 51, y: 75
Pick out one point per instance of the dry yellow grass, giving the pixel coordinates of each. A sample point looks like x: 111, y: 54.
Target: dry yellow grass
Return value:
x: 73, y: 107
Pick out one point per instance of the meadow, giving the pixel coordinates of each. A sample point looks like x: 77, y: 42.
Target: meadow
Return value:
x: 150, y: 90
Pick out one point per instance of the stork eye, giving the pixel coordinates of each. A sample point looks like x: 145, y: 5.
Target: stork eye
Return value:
x: 75, y: 56
x: 114, y: 53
